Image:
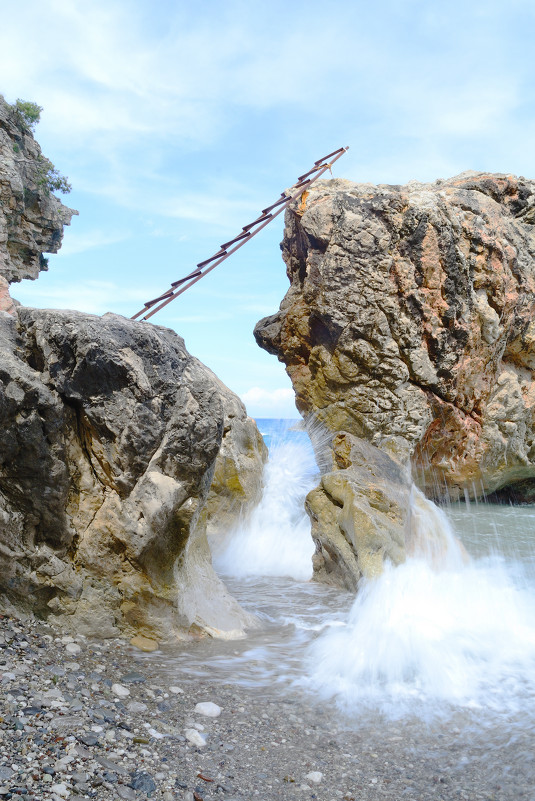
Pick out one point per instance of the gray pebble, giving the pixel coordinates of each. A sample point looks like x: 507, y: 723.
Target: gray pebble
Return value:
x: 82, y: 787
x: 79, y: 777
x: 83, y: 752
x: 110, y: 765
x: 136, y: 706
x: 143, y: 781
x: 133, y: 678
x: 56, y: 670
x: 31, y: 710
x: 89, y: 738
x: 127, y: 793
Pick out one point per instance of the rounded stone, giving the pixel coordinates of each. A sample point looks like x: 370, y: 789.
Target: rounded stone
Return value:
x: 208, y: 709
x: 120, y: 690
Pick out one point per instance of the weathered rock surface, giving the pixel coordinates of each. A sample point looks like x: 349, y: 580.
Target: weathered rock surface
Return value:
x: 110, y: 436
x: 237, y: 483
x: 31, y: 218
x: 410, y: 314
x: 360, y: 513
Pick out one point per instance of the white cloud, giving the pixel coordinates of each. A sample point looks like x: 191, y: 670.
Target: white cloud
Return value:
x: 137, y: 87
x: 93, y: 297
x: 89, y: 240
x: 120, y: 76
x: 262, y: 402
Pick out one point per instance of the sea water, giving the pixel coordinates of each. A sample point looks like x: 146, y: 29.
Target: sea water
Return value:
x: 430, y: 639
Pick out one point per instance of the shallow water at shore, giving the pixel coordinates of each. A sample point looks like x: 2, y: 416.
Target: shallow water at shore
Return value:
x: 467, y: 733
x: 420, y: 688
x: 417, y: 644
x: 426, y: 644
x: 423, y: 686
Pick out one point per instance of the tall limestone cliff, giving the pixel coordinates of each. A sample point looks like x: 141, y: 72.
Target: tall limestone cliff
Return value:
x: 409, y: 324
x: 117, y: 449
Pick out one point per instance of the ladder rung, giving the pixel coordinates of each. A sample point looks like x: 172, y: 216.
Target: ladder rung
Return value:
x: 162, y: 297
x: 236, y: 239
x: 301, y: 183
x: 314, y: 169
x: 186, y: 278
x: 257, y: 221
x: 328, y: 156
x: 215, y: 256
x: 283, y: 199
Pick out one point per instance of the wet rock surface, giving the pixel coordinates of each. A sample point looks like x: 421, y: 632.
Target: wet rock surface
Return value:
x: 410, y: 314
x: 111, y: 431
x: 359, y: 513
x: 64, y: 733
x: 237, y: 482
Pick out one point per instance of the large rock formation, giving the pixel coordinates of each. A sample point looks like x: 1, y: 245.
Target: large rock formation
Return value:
x: 117, y: 448
x: 31, y: 217
x: 410, y: 314
x: 110, y: 436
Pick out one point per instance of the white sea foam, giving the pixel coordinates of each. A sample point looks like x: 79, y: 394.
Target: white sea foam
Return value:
x: 431, y: 634
x: 441, y: 632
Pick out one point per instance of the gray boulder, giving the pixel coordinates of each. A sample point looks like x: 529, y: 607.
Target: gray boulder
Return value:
x: 108, y: 447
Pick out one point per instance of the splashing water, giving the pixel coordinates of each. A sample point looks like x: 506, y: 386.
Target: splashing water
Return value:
x: 275, y: 540
x: 436, y: 632
x: 450, y: 629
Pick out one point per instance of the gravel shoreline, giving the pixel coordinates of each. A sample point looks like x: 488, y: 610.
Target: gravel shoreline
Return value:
x: 86, y: 720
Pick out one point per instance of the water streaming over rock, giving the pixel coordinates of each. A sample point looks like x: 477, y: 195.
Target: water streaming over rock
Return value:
x: 450, y: 631
x: 443, y: 629
x: 275, y: 540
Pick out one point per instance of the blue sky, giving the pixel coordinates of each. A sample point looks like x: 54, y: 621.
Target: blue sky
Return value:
x: 176, y: 122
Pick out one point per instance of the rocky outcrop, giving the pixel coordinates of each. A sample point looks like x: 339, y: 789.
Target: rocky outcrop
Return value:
x: 410, y: 315
x: 360, y: 513
x: 110, y: 436
x: 117, y: 448
x: 31, y: 217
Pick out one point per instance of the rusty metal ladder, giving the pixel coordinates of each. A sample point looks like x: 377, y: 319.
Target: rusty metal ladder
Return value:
x: 247, y: 232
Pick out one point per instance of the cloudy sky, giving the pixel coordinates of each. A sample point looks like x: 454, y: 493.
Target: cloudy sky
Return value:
x: 176, y: 122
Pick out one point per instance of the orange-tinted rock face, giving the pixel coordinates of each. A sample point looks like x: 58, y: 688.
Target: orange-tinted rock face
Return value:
x: 6, y: 301
x: 410, y: 314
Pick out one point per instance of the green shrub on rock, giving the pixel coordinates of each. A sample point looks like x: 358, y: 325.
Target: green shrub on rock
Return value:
x: 29, y: 113
x: 49, y: 177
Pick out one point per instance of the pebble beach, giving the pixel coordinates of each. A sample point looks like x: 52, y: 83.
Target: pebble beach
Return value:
x: 83, y: 719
